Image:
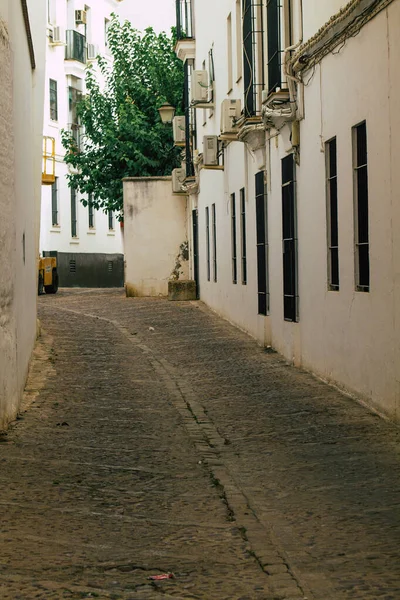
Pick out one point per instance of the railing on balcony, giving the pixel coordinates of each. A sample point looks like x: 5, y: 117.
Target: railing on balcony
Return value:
x: 184, y: 19
x: 76, y: 46
x: 76, y: 133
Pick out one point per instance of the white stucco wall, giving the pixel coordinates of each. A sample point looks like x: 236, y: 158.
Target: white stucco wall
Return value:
x: 22, y: 93
x: 155, y: 226
x: 349, y: 338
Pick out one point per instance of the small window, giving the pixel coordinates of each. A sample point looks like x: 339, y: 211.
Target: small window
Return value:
x: 233, y: 238
x: 214, y: 237
x: 91, y: 211
x: 73, y: 214
x: 111, y: 220
x: 230, y: 60
x: 332, y: 214
x: 361, y: 209
x: 72, y: 266
x: 54, y: 203
x: 208, y: 243
x: 110, y: 266
x: 53, y: 100
x: 243, y: 235
x: 106, y: 27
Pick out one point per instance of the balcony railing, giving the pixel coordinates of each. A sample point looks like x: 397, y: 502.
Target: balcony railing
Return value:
x: 184, y: 19
x: 76, y: 46
x: 76, y: 133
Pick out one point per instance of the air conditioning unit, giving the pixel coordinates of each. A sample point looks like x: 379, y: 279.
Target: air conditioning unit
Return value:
x: 230, y: 112
x: 80, y: 17
x: 200, y: 87
x: 178, y: 177
x: 210, y: 150
x: 57, y: 36
x: 179, y: 130
x: 92, y: 52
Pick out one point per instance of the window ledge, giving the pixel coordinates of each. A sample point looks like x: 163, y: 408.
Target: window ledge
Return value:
x: 91, y: 232
x: 75, y: 241
x: 55, y: 229
x: 111, y: 233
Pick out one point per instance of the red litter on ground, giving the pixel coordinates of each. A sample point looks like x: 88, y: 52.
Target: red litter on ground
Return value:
x: 161, y: 577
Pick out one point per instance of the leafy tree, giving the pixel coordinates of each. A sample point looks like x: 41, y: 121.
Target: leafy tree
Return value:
x: 123, y: 135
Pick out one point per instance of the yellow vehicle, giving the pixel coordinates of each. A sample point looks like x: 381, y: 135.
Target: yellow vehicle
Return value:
x: 47, y: 275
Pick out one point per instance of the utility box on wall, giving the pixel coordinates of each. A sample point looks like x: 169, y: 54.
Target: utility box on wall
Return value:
x: 155, y: 228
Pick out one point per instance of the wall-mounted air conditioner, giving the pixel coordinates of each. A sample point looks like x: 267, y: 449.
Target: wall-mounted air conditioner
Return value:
x: 57, y: 36
x: 179, y: 129
x: 230, y: 112
x: 200, y: 87
x: 80, y: 17
x: 178, y: 177
x: 210, y: 150
x: 92, y: 52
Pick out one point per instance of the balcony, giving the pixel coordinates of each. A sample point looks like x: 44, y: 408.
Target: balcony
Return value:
x: 185, y: 46
x: 76, y: 46
x: 49, y: 161
x: 75, y: 131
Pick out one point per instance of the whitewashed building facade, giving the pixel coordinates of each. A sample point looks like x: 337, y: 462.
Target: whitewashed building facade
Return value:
x: 292, y: 134
x: 88, y: 243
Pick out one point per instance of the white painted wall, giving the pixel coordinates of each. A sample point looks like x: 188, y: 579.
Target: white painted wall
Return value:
x: 155, y: 226
x: 347, y: 337
x: 99, y: 239
x: 21, y: 120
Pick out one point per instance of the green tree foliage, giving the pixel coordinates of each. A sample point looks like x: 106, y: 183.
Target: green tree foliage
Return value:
x: 123, y: 135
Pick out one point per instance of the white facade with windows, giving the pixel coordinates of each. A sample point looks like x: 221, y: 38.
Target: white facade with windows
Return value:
x: 76, y: 34
x: 299, y: 212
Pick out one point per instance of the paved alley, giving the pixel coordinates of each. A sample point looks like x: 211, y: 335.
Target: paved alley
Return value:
x: 156, y: 438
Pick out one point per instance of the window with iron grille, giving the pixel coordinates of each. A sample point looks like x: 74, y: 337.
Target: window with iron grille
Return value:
x: 289, y: 234
x: 208, y: 244
x: 253, y: 56
x: 332, y: 214
x: 91, y: 211
x: 243, y: 236
x: 239, y: 36
x: 361, y: 208
x: 54, y: 203
x: 233, y: 238
x: 274, y: 45
x: 74, y: 97
x: 184, y: 19
x: 262, y: 244
x: 110, y: 220
x: 214, y: 238
x: 53, y: 100
x: 73, y: 213
x: 189, y: 122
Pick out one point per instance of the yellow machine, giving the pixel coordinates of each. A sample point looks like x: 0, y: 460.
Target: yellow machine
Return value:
x: 47, y: 275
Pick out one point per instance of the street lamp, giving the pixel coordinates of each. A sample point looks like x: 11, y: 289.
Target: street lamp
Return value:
x: 167, y: 113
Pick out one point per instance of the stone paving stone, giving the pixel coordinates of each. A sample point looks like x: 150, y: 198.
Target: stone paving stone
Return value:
x: 188, y: 448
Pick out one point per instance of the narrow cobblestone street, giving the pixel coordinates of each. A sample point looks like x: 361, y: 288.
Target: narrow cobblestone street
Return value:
x: 157, y: 438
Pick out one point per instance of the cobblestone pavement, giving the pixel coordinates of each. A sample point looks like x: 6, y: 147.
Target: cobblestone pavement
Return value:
x: 157, y: 438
